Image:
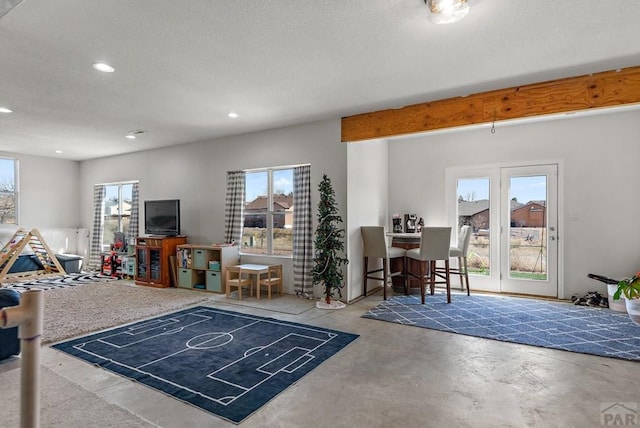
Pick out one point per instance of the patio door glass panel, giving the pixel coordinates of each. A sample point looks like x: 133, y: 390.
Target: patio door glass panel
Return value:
x: 529, y: 230
x: 473, y: 199
x: 474, y: 209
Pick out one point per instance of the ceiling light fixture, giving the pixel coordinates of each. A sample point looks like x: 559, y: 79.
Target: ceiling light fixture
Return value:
x: 233, y: 115
x: 133, y: 134
x: 5, y: 110
x: 103, y: 66
x: 447, y: 11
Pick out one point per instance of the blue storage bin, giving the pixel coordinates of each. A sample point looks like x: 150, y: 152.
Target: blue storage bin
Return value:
x: 71, y: 263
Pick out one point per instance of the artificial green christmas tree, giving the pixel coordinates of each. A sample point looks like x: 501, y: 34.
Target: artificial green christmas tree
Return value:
x: 329, y: 243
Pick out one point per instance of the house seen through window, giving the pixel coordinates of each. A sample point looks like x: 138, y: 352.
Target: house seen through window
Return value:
x: 268, y: 212
x: 117, y: 212
x: 8, y: 192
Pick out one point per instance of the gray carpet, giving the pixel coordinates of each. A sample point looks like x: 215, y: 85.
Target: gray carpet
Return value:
x: 75, y: 311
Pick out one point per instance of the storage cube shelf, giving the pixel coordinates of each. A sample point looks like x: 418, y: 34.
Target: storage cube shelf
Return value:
x: 203, y: 267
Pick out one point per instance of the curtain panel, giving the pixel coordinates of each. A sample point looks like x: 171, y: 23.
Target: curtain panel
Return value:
x: 302, y: 232
x: 95, y: 260
x: 134, y: 220
x: 234, y: 207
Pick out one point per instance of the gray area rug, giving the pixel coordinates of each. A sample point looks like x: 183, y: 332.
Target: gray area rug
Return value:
x: 56, y: 393
x: 75, y: 311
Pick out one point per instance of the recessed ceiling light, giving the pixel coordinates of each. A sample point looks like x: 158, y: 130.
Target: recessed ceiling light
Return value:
x: 233, y: 115
x: 133, y: 134
x: 58, y: 151
x: 103, y: 66
x: 5, y: 110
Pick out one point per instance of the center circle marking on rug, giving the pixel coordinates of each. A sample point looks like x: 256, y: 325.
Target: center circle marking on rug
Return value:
x: 209, y: 340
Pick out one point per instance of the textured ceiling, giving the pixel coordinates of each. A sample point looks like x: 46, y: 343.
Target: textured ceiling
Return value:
x: 181, y: 66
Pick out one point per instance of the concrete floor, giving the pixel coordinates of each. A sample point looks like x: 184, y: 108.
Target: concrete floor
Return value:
x: 400, y: 376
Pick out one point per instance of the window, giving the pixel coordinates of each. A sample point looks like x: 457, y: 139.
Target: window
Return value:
x: 474, y: 209
x: 117, y: 212
x: 268, y: 212
x: 8, y: 192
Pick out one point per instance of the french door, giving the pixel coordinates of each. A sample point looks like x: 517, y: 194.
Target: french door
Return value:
x: 513, y: 215
x: 529, y: 224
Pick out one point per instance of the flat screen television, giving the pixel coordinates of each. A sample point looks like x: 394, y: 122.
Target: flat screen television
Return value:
x: 162, y: 217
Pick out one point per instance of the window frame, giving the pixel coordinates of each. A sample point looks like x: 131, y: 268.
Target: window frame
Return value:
x: 16, y: 192
x: 120, y: 216
x: 269, y: 249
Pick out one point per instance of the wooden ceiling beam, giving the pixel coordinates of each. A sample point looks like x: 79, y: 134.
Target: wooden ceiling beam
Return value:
x: 606, y: 89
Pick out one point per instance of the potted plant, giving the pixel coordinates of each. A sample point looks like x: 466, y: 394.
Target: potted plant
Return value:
x: 630, y: 289
x: 329, y: 247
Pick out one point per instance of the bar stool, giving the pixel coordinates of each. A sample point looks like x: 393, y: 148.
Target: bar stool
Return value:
x: 374, y: 245
x: 460, y: 251
x: 434, y: 246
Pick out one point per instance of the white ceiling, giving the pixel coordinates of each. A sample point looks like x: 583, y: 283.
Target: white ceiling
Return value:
x: 181, y: 66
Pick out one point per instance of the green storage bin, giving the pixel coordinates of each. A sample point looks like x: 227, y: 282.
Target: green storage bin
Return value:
x: 213, y: 281
x: 185, y: 278
x: 200, y: 259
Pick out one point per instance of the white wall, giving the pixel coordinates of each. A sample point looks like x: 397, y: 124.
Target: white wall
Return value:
x: 600, y: 180
x: 48, y: 192
x: 48, y: 201
x: 196, y: 174
x: 368, y: 190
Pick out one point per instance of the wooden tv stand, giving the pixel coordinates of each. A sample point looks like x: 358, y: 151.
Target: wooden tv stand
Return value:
x: 152, y: 259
